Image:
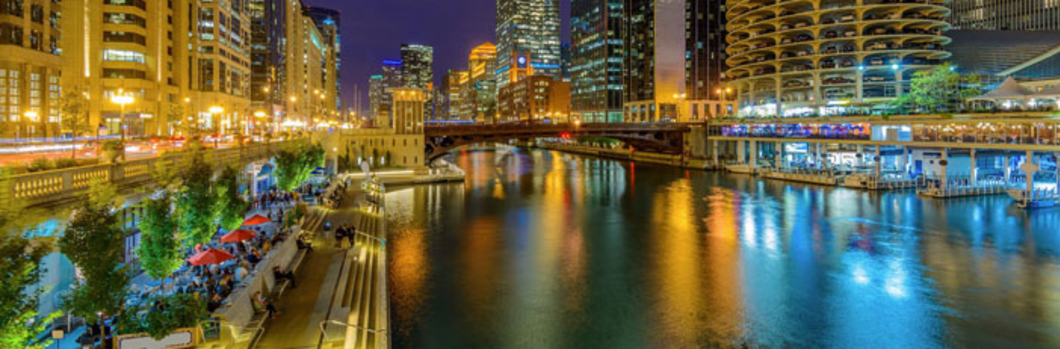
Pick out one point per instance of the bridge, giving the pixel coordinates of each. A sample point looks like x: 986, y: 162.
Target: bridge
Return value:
x: 667, y: 138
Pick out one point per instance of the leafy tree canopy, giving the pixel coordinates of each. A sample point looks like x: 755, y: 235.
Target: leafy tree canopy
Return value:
x: 159, y: 316
x: 159, y: 250
x: 94, y: 242
x: 196, y: 203
x: 232, y: 207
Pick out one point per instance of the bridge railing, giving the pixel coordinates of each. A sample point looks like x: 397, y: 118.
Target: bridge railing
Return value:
x: 520, y: 127
x: 57, y: 186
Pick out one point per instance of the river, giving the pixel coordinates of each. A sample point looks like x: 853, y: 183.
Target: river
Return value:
x: 540, y: 249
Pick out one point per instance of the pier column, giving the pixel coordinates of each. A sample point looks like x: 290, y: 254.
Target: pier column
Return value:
x: 859, y: 158
x: 779, y: 154
x: 1029, y: 174
x: 715, y: 152
x: 817, y: 157
x: 903, y: 164
x: 754, y: 155
x: 879, y: 161
x: 974, y: 173
x: 741, y: 152
x: 1008, y: 170
x: 945, y: 163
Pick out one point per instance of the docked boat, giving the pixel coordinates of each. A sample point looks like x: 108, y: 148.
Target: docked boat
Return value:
x: 1033, y: 200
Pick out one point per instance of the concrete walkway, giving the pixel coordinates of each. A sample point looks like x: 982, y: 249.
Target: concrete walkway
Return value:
x: 302, y: 309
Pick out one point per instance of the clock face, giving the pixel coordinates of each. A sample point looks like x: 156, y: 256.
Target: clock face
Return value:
x: 522, y: 61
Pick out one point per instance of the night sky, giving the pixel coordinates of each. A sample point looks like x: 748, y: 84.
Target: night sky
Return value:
x: 373, y: 30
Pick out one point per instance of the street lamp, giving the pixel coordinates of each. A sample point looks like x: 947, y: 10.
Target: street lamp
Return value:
x: 216, y: 111
x: 32, y: 117
x: 122, y: 99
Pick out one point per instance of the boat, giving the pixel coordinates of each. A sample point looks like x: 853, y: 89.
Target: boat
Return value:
x: 1030, y: 201
x: 740, y: 168
x: 858, y: 180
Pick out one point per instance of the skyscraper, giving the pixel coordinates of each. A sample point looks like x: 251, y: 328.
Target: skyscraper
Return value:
x: 268, y: 44
x: 705, y: 35
x: 418, y: 66
x: 1005, y: 14
x: 596, y: 59
x: 376, y: 91
x: 653, y: 71
x: 769, y: 76
x: 391, y: 79
x: 528, y: 26
x: 329, y: 23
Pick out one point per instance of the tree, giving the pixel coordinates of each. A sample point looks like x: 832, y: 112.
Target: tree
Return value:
x: 159, y: 316
x: 941, y: 89
x: 159, y: 250
x: 231, y: 205
x: 175, y: 114
x: 20, y: 257
x: 75, y: 115
x: 196, y: 203
x: 295, y: 166
x: 94, y: 242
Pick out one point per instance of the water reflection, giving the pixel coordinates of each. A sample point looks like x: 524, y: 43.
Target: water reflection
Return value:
x: 545, y: 250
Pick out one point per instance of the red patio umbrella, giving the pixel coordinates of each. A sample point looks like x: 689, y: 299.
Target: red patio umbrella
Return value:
x: 257, y: 219
x: 211, y: 256
x: 238, y: 235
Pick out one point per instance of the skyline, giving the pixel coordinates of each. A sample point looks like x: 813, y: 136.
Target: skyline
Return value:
x: 460, y: 25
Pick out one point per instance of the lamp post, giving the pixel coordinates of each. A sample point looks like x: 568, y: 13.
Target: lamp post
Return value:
x: 122, y: 99
x: 724, y: 93
x: 216, y: 111
x: 680, y: 97
x: 32, y: 117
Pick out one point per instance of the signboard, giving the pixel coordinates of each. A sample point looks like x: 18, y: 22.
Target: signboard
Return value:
x: 183, y: 338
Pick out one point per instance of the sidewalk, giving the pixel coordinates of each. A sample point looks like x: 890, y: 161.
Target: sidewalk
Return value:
x: 303, y: 309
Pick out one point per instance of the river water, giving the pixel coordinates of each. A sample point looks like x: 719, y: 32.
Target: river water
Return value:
x: 541, y: 249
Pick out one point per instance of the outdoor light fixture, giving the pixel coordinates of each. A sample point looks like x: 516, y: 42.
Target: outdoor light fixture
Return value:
x: 216, y: 110
x: 894, y: 66
x: 259, y: 114
x: 31, y: 115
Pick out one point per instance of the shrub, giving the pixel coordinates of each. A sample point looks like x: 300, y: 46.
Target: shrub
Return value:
x: 41, y: 164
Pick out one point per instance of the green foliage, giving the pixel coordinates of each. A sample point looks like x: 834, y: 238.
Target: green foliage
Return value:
x: 75, y: 114
x: 93, y: 242
x: 231, y: 205
x: 41, y: 164
x: 159, y: 250
x: 166, y: 173
x: 295, y: 166
x: 196, y: 203
x: 20, y: 259
x: 941, y: 89
x: 158, y: 316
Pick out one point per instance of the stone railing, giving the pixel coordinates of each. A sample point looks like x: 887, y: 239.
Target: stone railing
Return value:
x: 54, y: 188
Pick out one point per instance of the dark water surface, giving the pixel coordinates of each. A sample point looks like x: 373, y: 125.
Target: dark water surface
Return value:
x: 547, y: 250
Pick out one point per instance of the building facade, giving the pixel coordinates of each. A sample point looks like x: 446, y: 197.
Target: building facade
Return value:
x: 1005, y: 14
x: 478, y: 88
x: 528, y: 26
x: 31, y: 42
x: 329, y: 24
x: 418, y: 66
x: 538, y: 98
x: 794, y: 60
x: 654, y: 63
x: 596, y: 59
x: 268, y: 58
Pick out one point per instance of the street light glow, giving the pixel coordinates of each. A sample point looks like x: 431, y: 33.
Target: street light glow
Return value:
x: 216, y: 110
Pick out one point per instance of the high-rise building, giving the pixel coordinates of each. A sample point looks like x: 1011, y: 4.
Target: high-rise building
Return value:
x: 381, y: 98
x: 329, y: 23
x: 565, y: 62
x: 310, y: 78
x: 705, y: 48
x: 418, y: 66
x: 654, y: 64
x: 705, y: 92
x: 478, y: 96
x: 376, y: 92
x: 856, y: 53
x: 449, y: 100
x: 268, y: 56
x: 538, y: 98
x: 596, y: 59
x: 528, y: 26
x: 161, y: 53
x: 1005, y: 14
x: 33, y: 39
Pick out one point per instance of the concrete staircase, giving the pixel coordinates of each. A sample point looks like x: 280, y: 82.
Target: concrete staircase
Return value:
x: 360, y: 296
